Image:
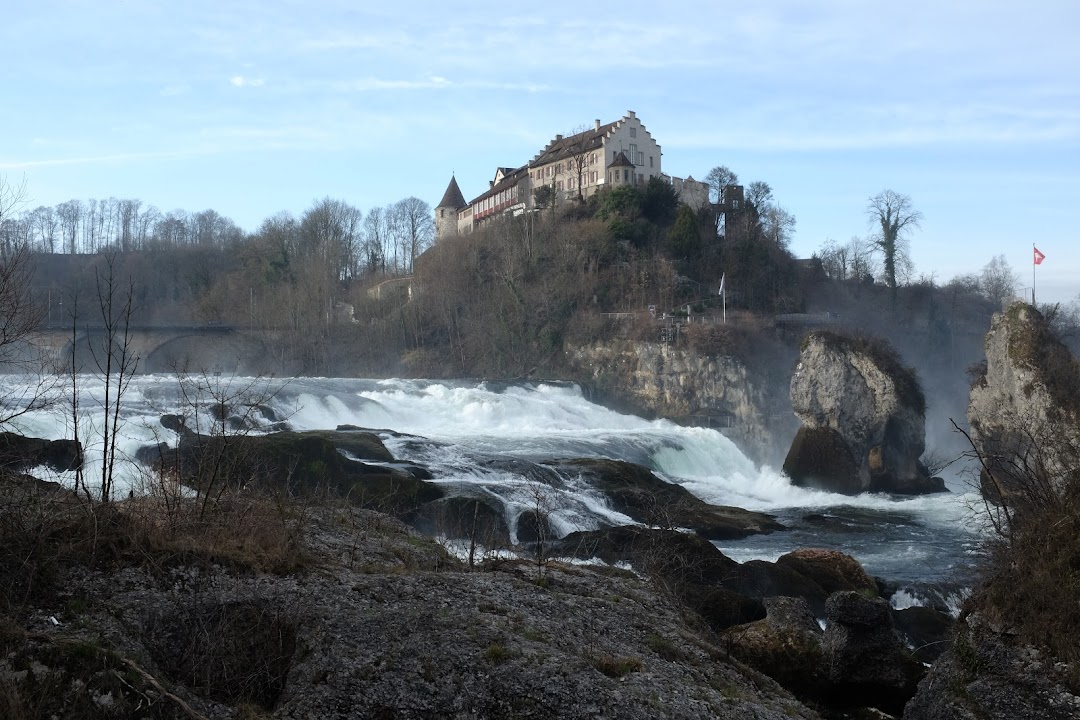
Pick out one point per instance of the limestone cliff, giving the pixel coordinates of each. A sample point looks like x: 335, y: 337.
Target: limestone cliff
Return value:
x: 691, y: 388
x: 1025, y: 403
x: 862, y: 413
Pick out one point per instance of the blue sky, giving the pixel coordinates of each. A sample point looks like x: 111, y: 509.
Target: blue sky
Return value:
x: 250, y: 108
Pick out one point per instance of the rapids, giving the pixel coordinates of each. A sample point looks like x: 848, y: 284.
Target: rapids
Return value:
x: 487, y: 438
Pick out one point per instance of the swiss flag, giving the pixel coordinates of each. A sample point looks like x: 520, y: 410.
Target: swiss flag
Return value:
x: 1039, y: 257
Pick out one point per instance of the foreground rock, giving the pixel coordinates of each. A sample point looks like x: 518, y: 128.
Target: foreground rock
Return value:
x: 374, y: 622
x: 724, y: 592
x: 786, y: 646
x: 297, y: 463
x: 19, y: 453
x: 867, y: 664
x: 862, y: 413
x: 857, y: 662
x: 991, y: 675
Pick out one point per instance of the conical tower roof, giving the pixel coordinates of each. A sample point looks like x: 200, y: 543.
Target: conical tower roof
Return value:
x: 620, y: 160
x: 452, y: 198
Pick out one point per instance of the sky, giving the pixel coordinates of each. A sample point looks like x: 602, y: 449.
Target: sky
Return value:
x: 251, y: 108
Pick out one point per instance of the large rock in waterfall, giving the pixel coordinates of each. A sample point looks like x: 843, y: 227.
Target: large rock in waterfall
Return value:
x: 1025, y: 405
x: 862, y: 412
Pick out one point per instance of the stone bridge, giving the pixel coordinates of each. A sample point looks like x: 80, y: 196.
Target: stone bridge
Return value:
x: 169, y: 348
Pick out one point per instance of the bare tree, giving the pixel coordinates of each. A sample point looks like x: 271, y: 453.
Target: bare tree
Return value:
x: 20, y: 317
x: 719, y: 178
x: 414, y: 229
x: 895, y: 216
x: 376, y: 241
x: 44, y: 222
x: 997, y: 280
x: 114, y: 360
x: 12, y: 198
x: 580, y: 145
x: 330, y: 231
x: 70, y: 216
x: 778, y: 225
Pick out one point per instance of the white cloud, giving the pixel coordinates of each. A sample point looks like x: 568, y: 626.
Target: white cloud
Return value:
x: 241, y: 81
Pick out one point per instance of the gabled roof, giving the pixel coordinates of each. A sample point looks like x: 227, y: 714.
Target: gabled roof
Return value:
x: 509, y: 180
x: 452, y: 197
x: 620, y: 160
x: 560, y: 148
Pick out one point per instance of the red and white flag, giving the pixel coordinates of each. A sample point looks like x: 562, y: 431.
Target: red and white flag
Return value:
x: 1039, y: 257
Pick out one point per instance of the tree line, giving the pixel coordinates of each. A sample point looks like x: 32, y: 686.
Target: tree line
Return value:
x: 386, y: 240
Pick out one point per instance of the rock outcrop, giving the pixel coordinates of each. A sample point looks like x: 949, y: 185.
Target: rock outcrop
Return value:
x: 296, y: 464
x: 689, y: 387
x: 19, y: 453
x: 638, y: 493
x: 991, y: 675
x: 862, y: 412
x: 1024, y: 409
x: 857, y: 661
x: 376, y: 622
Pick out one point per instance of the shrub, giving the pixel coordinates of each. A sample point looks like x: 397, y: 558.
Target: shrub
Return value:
x: 617, y: 666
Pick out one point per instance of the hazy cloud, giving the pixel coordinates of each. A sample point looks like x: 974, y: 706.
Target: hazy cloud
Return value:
x: 241, y: 81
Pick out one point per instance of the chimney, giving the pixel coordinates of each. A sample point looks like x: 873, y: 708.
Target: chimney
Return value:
x: 558, y: 137
x: 631, y: 114
x: 597, y: 123
x: 491, y: 184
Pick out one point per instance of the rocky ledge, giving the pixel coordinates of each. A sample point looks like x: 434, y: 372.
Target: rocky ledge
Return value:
x: 259, y: 610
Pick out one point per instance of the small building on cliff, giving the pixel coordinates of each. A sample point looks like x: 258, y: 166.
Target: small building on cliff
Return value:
x: 575, y: 167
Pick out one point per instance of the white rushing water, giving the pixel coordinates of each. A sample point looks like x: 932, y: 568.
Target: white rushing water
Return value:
x: 474, y: 427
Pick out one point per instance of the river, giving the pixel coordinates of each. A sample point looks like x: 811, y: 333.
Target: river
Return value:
x: 487, y: 436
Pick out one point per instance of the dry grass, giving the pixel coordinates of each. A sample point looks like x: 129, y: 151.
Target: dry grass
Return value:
x: 44, y: 530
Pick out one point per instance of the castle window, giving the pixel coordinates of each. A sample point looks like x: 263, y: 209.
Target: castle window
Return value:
x: 633, y: 132
x: 650, y: 161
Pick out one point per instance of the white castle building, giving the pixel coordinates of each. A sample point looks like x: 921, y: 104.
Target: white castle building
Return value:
x: 612, y: 155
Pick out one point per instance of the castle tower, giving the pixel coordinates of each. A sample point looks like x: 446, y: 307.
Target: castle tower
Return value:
x: 446, y: 212
x: 620, y: 171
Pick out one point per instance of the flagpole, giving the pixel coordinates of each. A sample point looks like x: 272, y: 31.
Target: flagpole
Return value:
x: 1033, y: 266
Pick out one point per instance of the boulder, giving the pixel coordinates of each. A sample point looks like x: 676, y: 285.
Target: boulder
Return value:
x: 810, y: 574
x: 462, y: 518
x: 820, y: 458
x: 866, y: 663
x: 786, y: 646
x: 863, y: 415
x: 636, y: 491
x: 687, y: 566
x: 832, y: 570
x: 19, y: 453
x: 532, y: 527
x: 925, y: 630
x: 298, y: 463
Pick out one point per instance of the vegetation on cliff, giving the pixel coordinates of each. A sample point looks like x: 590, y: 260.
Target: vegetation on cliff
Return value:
x: 884, y: 356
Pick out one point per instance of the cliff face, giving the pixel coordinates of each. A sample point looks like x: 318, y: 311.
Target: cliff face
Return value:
x: 1015, y: 654
x: 1026, y: 403
x: 684, y: 386
x: 862, y: 415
